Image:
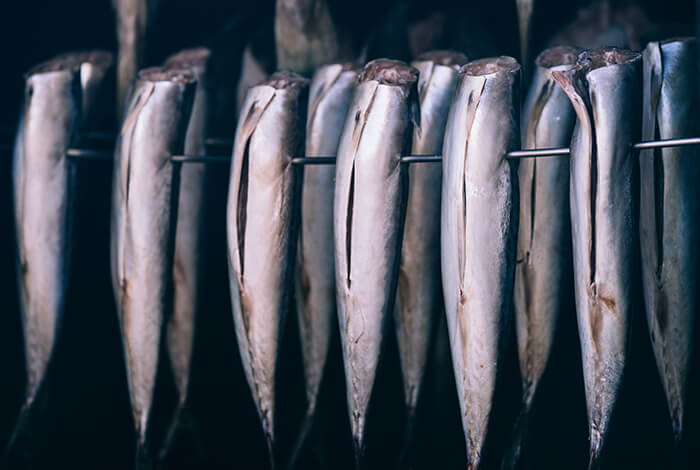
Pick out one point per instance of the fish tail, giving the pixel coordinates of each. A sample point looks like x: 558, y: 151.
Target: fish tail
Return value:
x: 304, y: 431
x: 407, y: 450
x: 182, y: 422
x: 269, y: 440
x: 594, y: 459
x: 518, y: 444
x: 359, y: 450
x: 142, y: 458
x: 21, y: 430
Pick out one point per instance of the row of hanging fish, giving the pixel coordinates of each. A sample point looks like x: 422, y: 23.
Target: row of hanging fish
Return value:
x: 372, y: 237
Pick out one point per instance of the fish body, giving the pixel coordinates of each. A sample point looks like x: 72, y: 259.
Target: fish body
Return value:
x: 330, y: 94
x: 419, y: 300
x: 479, y: 220
x: 605, y: 89
x: 670, y: 215
x: 261, y: 228
x: 305, y: 35
x: 525, y: 8
x: 188, y: 268
x: 133, y: 18
x: 368, y: 215
x: 144, y: 212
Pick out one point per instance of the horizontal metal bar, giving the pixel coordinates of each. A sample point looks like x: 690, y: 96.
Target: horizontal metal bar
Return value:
x: 533, y: 153
x: 89, y: 154
x: 654, y: 144
x: 200, y: 159
x: 313, y: 161
x: 421, y: 159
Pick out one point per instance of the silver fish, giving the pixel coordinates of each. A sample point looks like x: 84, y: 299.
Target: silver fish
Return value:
x: 261, y: 228
x: 525, y: 8
x: 69, y: 89
x: 418, y: 300
x: 544, y: 236
x: 330, y: 93
x: 189, y: 233
x: 44, y: 186
x: 133, y: 18
x: 144, y: 212
x: 369, y: 208
x: 305, y: 35
x: 670, y: 215
x: 478, y: 234
x: 605, y: 89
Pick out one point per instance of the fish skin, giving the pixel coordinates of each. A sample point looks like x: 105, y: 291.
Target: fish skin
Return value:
x: 133, y: 18
x: 144, y: 213
x: 479, y: 221
x: 261, y: 225
x: 605, y: 89
x: 190, y: 248
x: 544, y: 237
x: 419, y: 296
x: 305, y: 35
x: 670, y: 215
x: 330, y: 93
x: 70, y: 90
x: 369, y: 208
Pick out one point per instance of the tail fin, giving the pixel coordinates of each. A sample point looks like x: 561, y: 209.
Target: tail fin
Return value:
x: 270, y: 449
x: 304, y: 431
x: 406, y: 452
x: 143, y: 459
x: 359, y: 451
x: 518, y: 445
x: 183, y: 422
x: 22, y: 429
x: 594, y: 458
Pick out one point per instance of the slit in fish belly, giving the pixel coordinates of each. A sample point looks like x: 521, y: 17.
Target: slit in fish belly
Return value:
x: 243, y: 206
x: 348, y: 222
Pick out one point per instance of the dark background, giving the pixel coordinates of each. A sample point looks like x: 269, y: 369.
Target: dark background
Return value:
x: 85, y: 421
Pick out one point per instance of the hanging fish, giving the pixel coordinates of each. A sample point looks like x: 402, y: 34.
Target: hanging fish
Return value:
x: 133, y: 18
x: 369, y: 209
x: 544, y: 238
x: 261, y: 226
x: 478, y: 234
x: 62, y: 99
x: 190, y: 247
x: 144, y: 212
x: 605, y: 89
x: 305, y: 35
x: 525, y: 8
x: 419, y: 296
x: 330, y: 94
x: 670, y: 215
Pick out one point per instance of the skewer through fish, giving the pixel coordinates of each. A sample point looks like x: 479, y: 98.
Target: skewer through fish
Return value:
x: 188, y: 264
x: 544, y: 237
x: 419, y: 297
x: 330, y: 94
x: 261, y: 228
x: 144, y: 213
x: 62, y: 99
x: 369, y: 209
x: 605, y: 90
x: 670, y: 215
x: 478, y: 235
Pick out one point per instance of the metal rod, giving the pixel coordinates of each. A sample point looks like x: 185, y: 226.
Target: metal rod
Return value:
x: 653, y: 144
x: 200, y: 159
x: 89, y: 154
x: 533, y: 153
x: 313, y: 161
x: 421, y: 158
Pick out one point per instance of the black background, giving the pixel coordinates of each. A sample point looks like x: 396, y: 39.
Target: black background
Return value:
x: 85, y: 421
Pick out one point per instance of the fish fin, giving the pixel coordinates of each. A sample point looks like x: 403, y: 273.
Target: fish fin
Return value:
x: 142, y: 458
x: 519, y: 442
x: 270, y: 449
x: 358, y: 445
x: 302, y: 437
x: 182, y: 423
x: 21, y: 431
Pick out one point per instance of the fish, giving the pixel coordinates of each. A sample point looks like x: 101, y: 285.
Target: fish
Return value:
x: 261, y: 224
x: 369, y: 208
x: 330, y: 93
x: 305, y: 35
x: 418, y: 300
x: 543, y: 266
x: 479, y: 222
x: 254, y: 69
x: 62, y: 100
x: 145, y: 189
x: 190, y: 246
x: 670, y: 215
x: 525, y: 8
x: 133, y: 18
x: 605, y: 89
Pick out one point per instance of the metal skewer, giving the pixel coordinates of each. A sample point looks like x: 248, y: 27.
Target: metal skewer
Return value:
x: 330, y: 160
